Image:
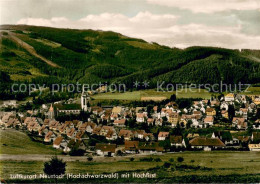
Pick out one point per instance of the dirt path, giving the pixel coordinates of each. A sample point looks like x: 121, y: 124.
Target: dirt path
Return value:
x: 31, y: 50
x: 38, y: 157
x: 67, y: 158
x: 254, y: 58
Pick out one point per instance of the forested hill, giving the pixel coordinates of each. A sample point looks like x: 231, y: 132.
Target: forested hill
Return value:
x: 51, y: 55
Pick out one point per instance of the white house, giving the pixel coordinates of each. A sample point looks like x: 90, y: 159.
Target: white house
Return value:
x: 105, y: 149
x: 209, y: 120
x: 140, y: 117
x: 49, y: 137
x: 163, y: 135
x: 90, y: 127
x: 59, y: 142
x: 230, y: 97
x: 111, y: 135
x: 177, y: 141
x: 195, y: 123
x: 254, y: 147
x: 12, y: 103
x: 139, y: 134
x: 206, y: 143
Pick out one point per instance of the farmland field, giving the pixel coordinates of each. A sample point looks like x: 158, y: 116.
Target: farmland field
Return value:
x: 184, y: 93
x: 136, y: 95
x: 210, y: 163
x: 253, y: 91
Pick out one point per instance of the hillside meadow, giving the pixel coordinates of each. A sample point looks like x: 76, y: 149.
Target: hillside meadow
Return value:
x: 17, y: 143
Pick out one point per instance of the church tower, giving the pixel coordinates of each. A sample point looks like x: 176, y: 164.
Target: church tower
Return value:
x: 51, y: 113
x: 84, y: 101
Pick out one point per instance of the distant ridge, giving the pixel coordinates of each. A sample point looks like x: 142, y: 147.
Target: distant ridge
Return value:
x: 89, y: 56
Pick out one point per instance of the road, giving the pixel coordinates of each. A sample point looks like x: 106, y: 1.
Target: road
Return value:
x: 67, y: 158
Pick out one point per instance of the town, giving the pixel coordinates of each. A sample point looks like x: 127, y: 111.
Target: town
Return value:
x: 224, y: 122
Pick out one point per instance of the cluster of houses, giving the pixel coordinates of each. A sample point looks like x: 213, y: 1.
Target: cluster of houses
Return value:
x: 8, y: 103
x: 111, y: 123
x: 202, y: 114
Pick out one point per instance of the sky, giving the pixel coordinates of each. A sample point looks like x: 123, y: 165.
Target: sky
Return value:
x: 231, y: 24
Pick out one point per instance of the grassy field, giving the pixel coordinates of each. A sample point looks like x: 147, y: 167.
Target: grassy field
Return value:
x: 212, y: 163
x: 184, y: 93
x: 252, y: 91
x: 193, y: 93
x: 136, y: 95
x: 16, y: 142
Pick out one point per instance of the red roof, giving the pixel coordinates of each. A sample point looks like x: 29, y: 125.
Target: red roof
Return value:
x: 131, y: 145
x: 121, y: 121
x: 70, y: 132
x: 110, y: 133
x: 48, y: 135
x: 62, y: 127
x: 150, y: 120
x: 106, y: 147
x: 142, y: 132
x: 83, y: 126
x: 79, y: 134
x: 155, y: 108
x: 209, y: 119
x: 107, y: 127
x: 46, y: 122
x: 97, y: 109
x: 150, y: 146
x: 175, y: 139
x: 91, y: 124
x: 140, y: 115
x: 197, y: 112
x: 243, y: 138
x: 199, y: 141
x: 58, y: 140
x: 125, y: 133
x: 238, y: 119
x: 209, y: 110
x: 163, y: 134
x: 96, y: 130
